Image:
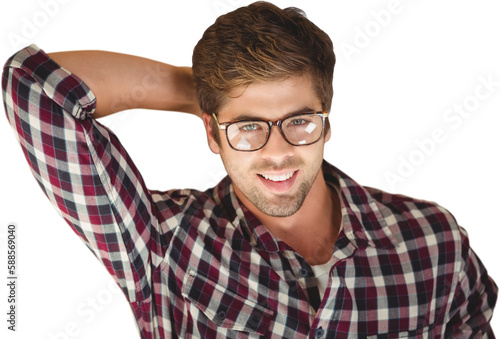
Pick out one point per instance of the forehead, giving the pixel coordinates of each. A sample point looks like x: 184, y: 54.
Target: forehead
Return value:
x: 271, y: 99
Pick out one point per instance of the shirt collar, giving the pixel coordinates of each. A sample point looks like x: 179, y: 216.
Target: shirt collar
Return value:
x: 365, y: 220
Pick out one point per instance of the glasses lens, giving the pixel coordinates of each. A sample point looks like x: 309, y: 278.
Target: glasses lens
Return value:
x: 247, y: 135
x: 303, y: 129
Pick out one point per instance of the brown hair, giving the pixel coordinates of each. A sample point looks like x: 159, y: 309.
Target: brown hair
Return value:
x: 261, y: 42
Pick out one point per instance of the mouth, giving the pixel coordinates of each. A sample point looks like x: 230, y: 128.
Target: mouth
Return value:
x: 278, y: 182
x: 277, y: 178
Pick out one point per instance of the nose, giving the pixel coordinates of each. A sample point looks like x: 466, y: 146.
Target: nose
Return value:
x: 276, y: 148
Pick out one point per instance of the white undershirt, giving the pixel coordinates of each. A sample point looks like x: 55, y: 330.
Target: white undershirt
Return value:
x: 322, y: 272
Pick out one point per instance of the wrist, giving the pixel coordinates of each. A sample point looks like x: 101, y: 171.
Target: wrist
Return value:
x: 188, y: 98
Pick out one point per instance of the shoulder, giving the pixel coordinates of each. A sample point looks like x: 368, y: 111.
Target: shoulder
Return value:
x: 406, y: 220
x: 420, y: 221
x: 190, y: 207
x: 412, y: 208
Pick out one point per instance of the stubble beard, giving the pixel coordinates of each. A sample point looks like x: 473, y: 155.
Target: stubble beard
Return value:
x: 280, y: 205
x: 283, y: 205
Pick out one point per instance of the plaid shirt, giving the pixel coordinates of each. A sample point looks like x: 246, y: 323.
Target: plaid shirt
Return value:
x: 199, y: 264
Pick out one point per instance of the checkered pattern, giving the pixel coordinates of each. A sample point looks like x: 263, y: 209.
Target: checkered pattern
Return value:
x: 199, y: 264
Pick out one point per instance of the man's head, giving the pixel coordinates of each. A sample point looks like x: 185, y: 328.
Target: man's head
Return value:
x: 261, y: 42
x: 263, y: 63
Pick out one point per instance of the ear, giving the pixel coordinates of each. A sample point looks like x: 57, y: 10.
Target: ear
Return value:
x: 328, y: 133
x: 214, y: 147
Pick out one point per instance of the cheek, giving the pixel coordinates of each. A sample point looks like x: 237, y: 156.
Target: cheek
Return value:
x: 238, y: 164
x: 312, y: 153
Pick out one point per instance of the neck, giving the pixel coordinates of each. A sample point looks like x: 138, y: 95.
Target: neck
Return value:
x: 313, y: 229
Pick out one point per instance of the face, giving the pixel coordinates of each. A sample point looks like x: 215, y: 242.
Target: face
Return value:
x: 277, y: 178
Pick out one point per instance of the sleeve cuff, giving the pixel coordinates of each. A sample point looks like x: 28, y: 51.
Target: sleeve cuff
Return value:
x: 60, y: 85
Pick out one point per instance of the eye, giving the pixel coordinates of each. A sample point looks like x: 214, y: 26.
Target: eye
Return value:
x: 298, y: 122
x: 249, y: 127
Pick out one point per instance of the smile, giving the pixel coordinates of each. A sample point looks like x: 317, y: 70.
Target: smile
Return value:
x: 282, y: 177
x: 278, y: 183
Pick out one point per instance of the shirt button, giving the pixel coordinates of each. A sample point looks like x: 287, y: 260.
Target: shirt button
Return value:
x: 303, y: 272
x: 319, y: 332
x: 221, y: 315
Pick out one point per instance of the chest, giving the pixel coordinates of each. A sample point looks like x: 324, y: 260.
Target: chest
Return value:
x: 252, y: 293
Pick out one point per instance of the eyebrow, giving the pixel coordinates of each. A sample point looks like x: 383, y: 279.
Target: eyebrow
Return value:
x: 305, y: 109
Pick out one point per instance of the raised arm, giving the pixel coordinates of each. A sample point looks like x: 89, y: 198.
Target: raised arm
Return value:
x: 121, y: 81
x: 81, y: 165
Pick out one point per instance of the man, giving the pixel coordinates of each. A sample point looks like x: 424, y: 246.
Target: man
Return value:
x: 287, y: 245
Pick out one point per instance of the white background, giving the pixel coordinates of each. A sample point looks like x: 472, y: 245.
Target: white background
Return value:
x: 402, y: 78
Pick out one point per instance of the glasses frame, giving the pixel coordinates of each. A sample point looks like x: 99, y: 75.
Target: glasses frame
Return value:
x: 278, y: 123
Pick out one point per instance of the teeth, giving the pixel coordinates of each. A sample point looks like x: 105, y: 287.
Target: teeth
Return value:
x: 278, y: 177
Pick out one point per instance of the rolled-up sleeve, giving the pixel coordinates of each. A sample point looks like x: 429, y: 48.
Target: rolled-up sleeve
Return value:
x: 82, y: 167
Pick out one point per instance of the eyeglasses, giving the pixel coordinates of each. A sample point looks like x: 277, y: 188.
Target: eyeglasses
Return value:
x: 251, y: 135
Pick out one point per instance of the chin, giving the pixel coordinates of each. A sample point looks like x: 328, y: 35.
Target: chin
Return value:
x: 280, y: 206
